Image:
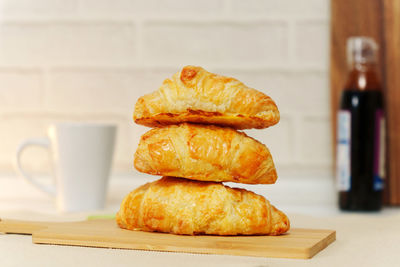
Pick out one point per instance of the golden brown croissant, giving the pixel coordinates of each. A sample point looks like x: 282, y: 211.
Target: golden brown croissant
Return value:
x: 206, y: 153
x: 196, y: 95
x: 181, y: 206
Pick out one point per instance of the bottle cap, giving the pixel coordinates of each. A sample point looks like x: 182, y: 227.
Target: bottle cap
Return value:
x: 361, y: 50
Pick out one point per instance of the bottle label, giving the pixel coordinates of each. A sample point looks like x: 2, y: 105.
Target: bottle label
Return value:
x: 379, y: 151
x: 343, y: 159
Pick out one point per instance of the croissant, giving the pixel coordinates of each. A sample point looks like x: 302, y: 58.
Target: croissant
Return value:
x: 198, y: 96
x: 180, y: 206
x: 205, y: 152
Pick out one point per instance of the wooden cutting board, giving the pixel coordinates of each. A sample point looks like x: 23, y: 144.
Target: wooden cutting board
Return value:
x: 298, y: 243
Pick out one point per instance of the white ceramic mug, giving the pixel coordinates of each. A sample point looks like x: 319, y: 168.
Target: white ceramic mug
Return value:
x: 81, y: 155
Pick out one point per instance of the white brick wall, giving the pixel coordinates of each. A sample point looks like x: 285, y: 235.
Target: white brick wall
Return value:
x: 89, y: 60
x: 311, y: 43
x: 17, y: 83
x: 287, y: 8
x: 222, y: 43
x: 151, y: 7
x: 38, y: 7
x: 52, y: 43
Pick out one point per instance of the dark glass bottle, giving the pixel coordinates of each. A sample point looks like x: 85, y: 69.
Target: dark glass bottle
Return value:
x: 361, y: 131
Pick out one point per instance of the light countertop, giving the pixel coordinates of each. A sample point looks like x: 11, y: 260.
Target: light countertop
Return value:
x: 363, y: 239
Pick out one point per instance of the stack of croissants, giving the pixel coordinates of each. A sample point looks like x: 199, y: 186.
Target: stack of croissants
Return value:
x: 196, y: 146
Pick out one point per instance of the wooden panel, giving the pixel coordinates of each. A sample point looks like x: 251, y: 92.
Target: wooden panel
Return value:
x: 392, y: 85
x: 350, y: 18
x: 378, y: 19
x: 298, y: 243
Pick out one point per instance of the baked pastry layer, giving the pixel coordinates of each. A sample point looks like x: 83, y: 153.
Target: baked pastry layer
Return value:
x: 198, y: 96
x: 180, y: 206
x: 206, y: 153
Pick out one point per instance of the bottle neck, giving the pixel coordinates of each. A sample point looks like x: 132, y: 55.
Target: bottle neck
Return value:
x: 363, y: 76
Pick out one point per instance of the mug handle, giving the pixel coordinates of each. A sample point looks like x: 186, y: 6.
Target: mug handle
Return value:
x: 42, y: 142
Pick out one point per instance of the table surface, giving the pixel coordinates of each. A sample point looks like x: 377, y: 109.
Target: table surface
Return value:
x: 363, y: 239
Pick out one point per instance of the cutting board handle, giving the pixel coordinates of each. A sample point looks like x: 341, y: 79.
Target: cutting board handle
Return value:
x: 22, y: 227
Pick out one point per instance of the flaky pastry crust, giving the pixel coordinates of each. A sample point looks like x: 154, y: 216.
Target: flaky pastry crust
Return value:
x: 205, y: 153
x: 198, y: 96
x: 180, y: 206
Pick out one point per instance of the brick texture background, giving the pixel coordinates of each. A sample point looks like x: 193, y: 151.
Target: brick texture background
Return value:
x: 89, y: 60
